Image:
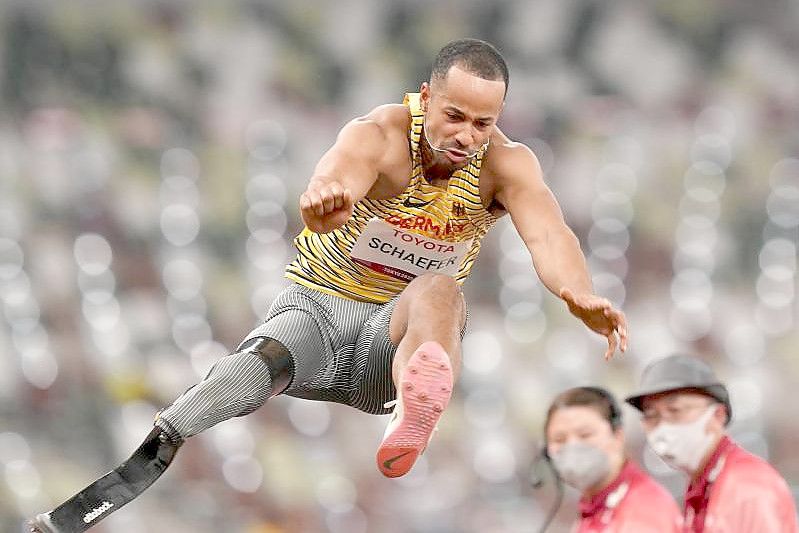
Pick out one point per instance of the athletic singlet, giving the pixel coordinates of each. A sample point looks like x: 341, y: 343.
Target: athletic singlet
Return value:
x: 386, y: 243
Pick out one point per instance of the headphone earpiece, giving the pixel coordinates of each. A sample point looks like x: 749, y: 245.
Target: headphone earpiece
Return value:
x: 540, y: 459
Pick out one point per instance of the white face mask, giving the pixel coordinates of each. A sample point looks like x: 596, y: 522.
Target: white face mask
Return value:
x: 683, y: 446
x: 581, y: 465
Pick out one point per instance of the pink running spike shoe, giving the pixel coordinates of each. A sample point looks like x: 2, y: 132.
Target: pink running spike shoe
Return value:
x: 423, y: 394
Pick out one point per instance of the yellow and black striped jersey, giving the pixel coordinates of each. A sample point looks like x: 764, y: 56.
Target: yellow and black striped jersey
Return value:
x: 385, y: 243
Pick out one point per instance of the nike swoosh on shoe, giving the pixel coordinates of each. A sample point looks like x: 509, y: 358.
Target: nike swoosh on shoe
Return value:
x: 424, y: 392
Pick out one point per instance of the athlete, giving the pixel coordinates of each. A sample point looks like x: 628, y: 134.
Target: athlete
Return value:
x: 394, y: 215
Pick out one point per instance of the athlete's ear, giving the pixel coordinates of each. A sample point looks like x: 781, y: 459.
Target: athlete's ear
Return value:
x: 424, y: 95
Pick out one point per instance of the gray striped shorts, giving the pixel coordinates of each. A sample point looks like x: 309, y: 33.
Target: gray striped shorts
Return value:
x: 341, y: 348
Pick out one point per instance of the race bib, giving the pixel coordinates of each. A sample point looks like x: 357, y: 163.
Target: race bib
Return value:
x: 404, y: 255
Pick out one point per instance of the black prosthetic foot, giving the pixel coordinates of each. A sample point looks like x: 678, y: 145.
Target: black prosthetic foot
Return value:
x: 113, y: 490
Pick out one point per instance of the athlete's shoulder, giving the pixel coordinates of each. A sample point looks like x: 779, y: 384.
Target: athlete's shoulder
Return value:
x: 389, y: 117
x: 507, y: 159
x: 380, y: 124
x: 503, y: 147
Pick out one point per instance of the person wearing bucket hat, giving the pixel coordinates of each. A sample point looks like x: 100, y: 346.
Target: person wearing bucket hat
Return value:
x: 585, y: 445
x: 685, y: 411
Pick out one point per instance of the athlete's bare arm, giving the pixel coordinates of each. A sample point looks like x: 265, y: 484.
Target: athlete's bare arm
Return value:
x: 351, y: 168
x: 555, y: 250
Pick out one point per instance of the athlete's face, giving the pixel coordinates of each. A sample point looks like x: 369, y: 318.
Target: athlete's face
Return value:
x: 460, y: 113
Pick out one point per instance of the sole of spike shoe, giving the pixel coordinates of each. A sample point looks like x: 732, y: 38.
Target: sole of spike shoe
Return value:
x: 429, y: 375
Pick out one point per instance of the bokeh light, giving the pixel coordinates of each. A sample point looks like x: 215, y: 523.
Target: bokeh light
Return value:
x: 148, y: 201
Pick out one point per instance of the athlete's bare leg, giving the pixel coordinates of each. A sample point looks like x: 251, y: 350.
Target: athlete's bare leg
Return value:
x: 426, y: 325
x: 431, y: 308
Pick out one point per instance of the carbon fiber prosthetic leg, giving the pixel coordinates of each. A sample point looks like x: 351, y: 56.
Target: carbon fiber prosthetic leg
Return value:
x: 113, y: 490
x: 237, y: 385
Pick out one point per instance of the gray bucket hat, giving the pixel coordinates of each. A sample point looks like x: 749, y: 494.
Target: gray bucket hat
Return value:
x: 678, y: 372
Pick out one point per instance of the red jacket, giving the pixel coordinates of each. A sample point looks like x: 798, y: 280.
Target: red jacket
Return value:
x: 738, y: 492
x: 632, y: 503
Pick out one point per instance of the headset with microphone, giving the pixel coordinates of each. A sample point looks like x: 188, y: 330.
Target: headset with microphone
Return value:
x: 537, y: 479
x: 444, y: 150
x: 542, y: 458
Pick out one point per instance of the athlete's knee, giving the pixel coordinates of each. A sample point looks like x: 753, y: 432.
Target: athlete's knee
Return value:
x: 439, y: 288
x: 236, y: 385
x: 277, y: 359
x: 440, y: 284
x: 279, y: 367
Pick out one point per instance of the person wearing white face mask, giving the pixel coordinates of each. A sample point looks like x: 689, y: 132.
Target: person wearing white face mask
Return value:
x: 585, y: 444
x: 685, y: 413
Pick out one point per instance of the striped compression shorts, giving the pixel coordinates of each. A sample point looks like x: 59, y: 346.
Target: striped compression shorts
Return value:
x: 341, y: 348
x: 341, y: 352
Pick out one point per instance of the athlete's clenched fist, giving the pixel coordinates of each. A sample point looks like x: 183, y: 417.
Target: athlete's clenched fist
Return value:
x: 325, y: 205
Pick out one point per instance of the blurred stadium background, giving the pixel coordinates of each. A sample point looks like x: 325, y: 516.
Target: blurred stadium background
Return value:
x: 151, y: 155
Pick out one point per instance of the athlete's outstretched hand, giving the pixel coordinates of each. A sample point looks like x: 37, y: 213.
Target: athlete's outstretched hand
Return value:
x: 325, y: 206
x: 598, y: 314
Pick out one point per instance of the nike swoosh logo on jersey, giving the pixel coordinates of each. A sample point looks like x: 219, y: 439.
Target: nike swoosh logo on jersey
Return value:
x: 407, y: 203
x: 388, y: 462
